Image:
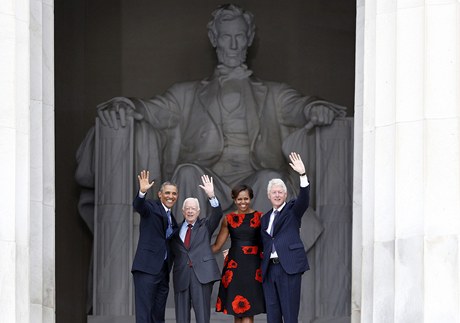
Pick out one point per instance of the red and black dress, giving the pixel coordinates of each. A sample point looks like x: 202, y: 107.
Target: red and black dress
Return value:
x: 240, y: 290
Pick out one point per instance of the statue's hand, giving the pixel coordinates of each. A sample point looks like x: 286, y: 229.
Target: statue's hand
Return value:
x: 320, y: 115
x: 113, y: 113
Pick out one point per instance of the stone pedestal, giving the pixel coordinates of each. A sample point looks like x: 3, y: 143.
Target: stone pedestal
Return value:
x: 113, y: 221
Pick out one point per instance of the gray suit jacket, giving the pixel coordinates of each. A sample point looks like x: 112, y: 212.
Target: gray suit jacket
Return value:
x: 199, y: 257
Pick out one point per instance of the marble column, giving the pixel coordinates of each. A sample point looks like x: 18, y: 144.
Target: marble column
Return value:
x: 406, y: 166
x: 27, y: 292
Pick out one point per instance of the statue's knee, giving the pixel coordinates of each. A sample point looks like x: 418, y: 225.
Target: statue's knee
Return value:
x: 269, y: 174
x: 188, y: 170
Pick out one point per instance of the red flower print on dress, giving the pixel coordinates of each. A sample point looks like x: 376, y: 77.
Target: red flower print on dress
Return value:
x: 225, y: 260
x: 258, y: 275
x: 235, y: 220
x: 218, y: 305
x: 225, y: 311
x: 250, y: 250
x: 240, y: 304
x: 227, y: 278
x: 255, y: 221
x: 232, y: 264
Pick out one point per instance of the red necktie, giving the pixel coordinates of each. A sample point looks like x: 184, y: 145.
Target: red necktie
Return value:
x: 187, y: 236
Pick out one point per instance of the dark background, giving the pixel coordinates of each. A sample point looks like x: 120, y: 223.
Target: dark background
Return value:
x: 138, y: 48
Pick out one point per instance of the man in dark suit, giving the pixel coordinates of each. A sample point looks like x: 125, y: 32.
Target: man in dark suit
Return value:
x: 195, y: 268
x: 153, y: 260
x: 284, y: 259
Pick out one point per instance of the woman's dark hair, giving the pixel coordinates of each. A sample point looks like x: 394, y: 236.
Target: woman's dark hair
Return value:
x: 242, y: 187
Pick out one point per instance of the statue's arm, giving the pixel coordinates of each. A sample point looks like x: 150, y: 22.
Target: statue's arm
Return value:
x: 161, y: 112
x: 299, y: 111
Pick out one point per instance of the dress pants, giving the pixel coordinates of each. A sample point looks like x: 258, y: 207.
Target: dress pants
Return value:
x: 282, y: 295
x: 151, y: 293
x: 198, y: 296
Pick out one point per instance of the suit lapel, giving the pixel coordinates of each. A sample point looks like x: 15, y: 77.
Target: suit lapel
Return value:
x: 265, y: 222
x: 254, y: 98
x: 175, y: 226
x: 257, y: 91
x: 195, y: 229
x: 279, y: 219
x: 164, y: 217
x: 276, y: 222
x: 179, y: 240
x: 208, y: 99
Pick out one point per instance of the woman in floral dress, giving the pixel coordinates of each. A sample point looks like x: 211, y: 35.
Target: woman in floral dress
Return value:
x: 240, y: 290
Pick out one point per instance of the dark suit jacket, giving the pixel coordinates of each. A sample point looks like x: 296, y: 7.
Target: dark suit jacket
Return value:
x: 286, y: 237
x: 200, y: 256
x: 152, y: 245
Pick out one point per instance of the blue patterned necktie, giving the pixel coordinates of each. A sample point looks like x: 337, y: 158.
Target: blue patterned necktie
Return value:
x: 169, y: 229
x: 275, y: 214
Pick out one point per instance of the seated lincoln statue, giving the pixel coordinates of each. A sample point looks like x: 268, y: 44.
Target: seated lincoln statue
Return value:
x: 230, y: 125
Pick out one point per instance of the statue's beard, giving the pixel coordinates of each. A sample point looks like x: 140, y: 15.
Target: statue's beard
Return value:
x: 231, y: 61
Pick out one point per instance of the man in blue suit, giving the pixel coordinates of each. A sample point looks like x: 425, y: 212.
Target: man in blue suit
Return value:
x: 284, y: 259
x: 153, y: 259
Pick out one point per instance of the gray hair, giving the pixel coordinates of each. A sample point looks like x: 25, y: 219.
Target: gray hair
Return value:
x: 229, y: 12
x: 276, y: 182
x: 191, y: 199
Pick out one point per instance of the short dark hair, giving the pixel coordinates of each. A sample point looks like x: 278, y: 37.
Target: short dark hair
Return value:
x: 240, y: 188
x: 167, y: 183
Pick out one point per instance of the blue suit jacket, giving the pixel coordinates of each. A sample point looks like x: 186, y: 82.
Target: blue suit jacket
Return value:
x: 286, y: 236
x: 152, y: 245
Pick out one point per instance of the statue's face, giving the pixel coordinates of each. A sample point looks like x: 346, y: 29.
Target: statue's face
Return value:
x: 232, y: 42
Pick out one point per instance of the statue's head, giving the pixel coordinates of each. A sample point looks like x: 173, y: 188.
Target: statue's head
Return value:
x: 231, y: 31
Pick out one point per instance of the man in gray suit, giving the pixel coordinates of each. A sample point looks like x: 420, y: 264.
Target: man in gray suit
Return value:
x: 195, y: 268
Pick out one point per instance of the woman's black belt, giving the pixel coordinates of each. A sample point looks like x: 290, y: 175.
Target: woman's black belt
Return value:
x: 240, y: 243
